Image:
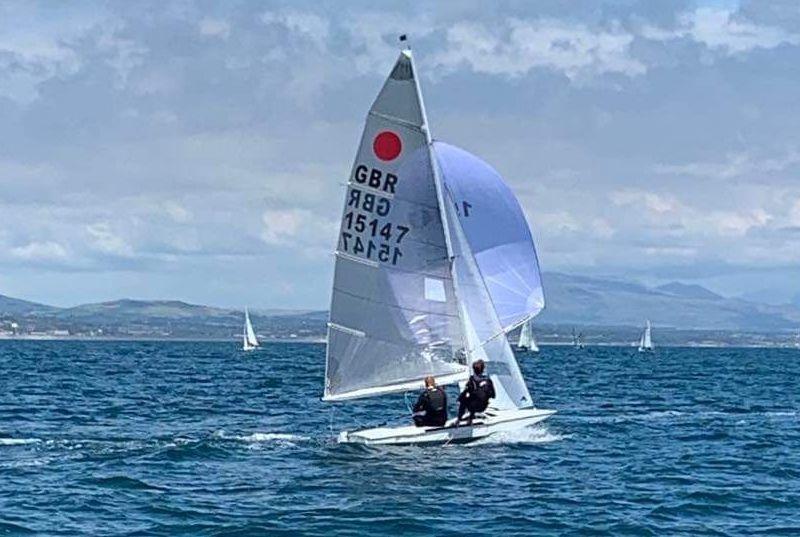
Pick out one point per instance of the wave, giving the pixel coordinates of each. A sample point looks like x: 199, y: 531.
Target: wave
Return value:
x: 678, y: 415
x: 527, y: 435
x: 9, y: 528
x: 123, y: 482
x: 268, y: 437
x: 264, y: 437
x: 18, y: 441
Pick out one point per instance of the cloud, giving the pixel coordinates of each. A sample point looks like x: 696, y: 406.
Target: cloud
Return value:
x: 40, y: 251
x: 300, y: 229
x: 211, y: 27
x: 104, y: 240
x: 517, y: 46
x: 723, y: 29
x: 45, y: 44
x: 736, y: 224
x: 735, y: 164
x: 177, y: 212
x: 648, y: 200
x: 307, y: 25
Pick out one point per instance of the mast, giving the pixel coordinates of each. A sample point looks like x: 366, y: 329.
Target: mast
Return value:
x: 437, y: 181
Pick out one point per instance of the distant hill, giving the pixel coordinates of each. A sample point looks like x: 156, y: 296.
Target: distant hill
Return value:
x: 157, y: 318
x: 15, y: 306
x: 571, y: 301
x: 143, y: 309
x: 600, y: 302
x: 687, y: 291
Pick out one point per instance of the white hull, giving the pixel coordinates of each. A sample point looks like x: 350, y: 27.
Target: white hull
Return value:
x: 491, y: 422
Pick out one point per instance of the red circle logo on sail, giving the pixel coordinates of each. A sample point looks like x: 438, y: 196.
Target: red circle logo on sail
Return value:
x: 387, y: 145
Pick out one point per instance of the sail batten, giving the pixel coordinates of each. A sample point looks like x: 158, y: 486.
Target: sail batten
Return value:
x: 396, y: 120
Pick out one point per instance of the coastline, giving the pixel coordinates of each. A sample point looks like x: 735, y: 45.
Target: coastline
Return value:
x: 322, y: 341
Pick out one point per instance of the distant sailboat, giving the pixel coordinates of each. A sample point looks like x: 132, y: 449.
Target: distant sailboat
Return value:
x: 645, y: 342
x: 526, y: 339
x: 249, y: 340
x: 577, y: 339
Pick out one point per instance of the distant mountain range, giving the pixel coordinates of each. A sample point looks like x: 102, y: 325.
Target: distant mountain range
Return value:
x: 601, y: 302
x: 571, y: 301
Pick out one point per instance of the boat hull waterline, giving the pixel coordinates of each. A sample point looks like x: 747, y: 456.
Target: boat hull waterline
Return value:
x: 490, y: 423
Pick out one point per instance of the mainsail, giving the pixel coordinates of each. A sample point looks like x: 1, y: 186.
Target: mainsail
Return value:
x: 394, y: 317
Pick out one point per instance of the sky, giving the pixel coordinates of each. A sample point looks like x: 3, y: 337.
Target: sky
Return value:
x: 198, y: 150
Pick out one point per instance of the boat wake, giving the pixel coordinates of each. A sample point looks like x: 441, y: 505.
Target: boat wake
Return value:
x: 539, y: 434
x: 264, y: 438
x: 18, y: 441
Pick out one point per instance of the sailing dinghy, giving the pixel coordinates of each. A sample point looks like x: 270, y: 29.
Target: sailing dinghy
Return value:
x: 249, y: 339
x: 435, y: 264
x: 645, y: 342
x: 526, y: 339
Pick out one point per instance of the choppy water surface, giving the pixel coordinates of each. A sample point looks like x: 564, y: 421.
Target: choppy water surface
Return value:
x: 199, y: 439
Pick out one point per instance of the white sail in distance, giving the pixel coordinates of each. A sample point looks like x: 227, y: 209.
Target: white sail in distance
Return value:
x: 249, y: 339
x: 645, y: 342
x: 526, y: 339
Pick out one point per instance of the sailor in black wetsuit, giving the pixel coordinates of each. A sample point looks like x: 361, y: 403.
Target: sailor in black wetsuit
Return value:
x: 431, y: 407
x: 475, y: 397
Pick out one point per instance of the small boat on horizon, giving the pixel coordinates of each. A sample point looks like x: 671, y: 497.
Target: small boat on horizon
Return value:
x: 577, y: 339
x: 526, y: 339
x: 646, y: 342
x: 249, y: 339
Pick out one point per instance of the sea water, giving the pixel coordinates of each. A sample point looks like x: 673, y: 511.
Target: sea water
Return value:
x: 197, y: 438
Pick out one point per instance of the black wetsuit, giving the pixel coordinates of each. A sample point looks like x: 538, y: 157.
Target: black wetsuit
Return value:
x: 431, y: 408
x: 475, y: 397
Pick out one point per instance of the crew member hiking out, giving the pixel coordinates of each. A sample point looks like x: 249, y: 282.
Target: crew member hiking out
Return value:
x: 475, y: 397
x: 431, y: 407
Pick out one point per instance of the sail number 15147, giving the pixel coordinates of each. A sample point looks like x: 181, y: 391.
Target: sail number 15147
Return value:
x: 367, y: 248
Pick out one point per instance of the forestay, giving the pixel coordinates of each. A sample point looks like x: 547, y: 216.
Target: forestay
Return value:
x: 393, y: 316
x: 497, y: 232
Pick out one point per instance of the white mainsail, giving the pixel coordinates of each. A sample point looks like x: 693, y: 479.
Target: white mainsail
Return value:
x: 394, y: 317
x: 645, y: 342
x: 249, y: 339
x: 526, y: 339
x: 421, y: 285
